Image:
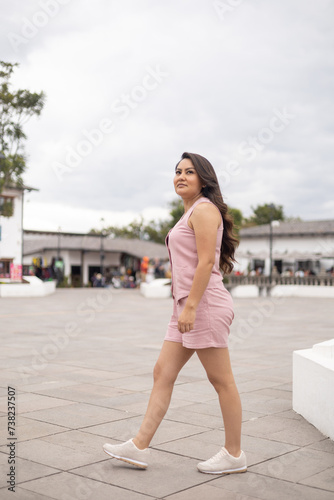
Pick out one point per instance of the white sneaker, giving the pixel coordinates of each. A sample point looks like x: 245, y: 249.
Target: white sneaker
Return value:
x: 128, y: 452
x: 224, y: 463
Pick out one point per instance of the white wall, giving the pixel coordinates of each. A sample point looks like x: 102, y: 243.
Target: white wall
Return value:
x: 283, y: 245
x: 73, y: 258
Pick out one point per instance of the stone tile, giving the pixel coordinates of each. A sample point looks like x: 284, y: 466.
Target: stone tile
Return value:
x: 22, y: 377
x: 183, y: 392
x: 123, y: 349
x: 23, y: 494
x: 186, y: 415
x: 268, y: 488
x: 296, y: 432
x: 29, y: 402
x: 209, y: 408
x: 190, y: 447
x: 273, y: 392
x: 258, y: 402
x: 250, y: 415
x: 46, y: 384
x: 205, y: 445
x: 67, y: 485
x: 61, y: 453
x: 88, y: 376
x: 209, y: 492
x: 156, y: 480
x: 112, y: 376
x: 30, y: 429
x: 296, y: 465
x: 254, y: 385
x: 25, y: 471
x: 3, y: 390
x: 323, y: 480
x: 123, y: 430
x: 84, y: 393
x: 289, y: 414
x: 325, y: 445
x: 124, y: 401
x: 139, y: 383
x: 74, y: 416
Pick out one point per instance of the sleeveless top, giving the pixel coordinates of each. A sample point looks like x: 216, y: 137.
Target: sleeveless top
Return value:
x: 182, y: 250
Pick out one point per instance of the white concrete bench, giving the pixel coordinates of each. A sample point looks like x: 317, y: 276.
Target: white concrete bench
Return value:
x: 313, y: 385
x: 156, y: 289
x: 34, y: 288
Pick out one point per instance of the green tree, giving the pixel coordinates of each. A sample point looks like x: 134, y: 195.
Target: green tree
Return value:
x: 237, y: 218
x: 153, y: 231
x: 176, y: 211
x: 157, y: 230
x: 16, y: 108
x: 263, y: 214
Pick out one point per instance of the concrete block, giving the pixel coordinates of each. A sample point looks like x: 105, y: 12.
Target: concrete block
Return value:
x: 35, y: 288
x: 245, y: 291
x: 303, y: 291
x: 313, y: 386
x: 156, y: 289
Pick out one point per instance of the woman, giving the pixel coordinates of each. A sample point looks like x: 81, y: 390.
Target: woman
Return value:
x: 199, y: 245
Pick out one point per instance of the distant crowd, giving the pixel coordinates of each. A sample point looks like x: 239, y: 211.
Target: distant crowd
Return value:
x: 131, y: 278
x: 300, y: 273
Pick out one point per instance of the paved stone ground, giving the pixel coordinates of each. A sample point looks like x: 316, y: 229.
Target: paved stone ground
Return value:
x: 81, y: 364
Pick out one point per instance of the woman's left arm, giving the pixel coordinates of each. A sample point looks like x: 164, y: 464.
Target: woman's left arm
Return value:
x: 205, y: 221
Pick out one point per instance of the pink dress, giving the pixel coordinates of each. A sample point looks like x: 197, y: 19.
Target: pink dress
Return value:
x: 214, y: 313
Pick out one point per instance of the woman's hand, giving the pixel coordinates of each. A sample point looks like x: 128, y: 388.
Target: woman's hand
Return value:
x: 186, y: 319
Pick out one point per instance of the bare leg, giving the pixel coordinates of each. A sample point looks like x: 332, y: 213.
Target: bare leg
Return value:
x: 173, y: 357
x: 216, y: 362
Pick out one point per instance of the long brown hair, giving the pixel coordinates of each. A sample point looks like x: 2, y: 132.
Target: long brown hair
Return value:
x: 212, y: 191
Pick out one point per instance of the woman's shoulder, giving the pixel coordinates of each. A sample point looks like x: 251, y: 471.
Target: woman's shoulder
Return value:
x: 206, y: 209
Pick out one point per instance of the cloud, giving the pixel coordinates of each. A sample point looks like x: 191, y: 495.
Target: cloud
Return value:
x: 223, y: 80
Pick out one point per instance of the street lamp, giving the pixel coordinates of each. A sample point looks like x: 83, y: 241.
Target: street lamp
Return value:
x: 102, y: 256
x: 58, y: 245
x: 272, y: 208
x: 101, y: 248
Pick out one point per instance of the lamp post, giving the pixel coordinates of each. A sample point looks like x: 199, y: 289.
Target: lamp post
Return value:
x: 58, y: 244
x: 272, y: 208
x: 102, y: 252
x: 102, y: 249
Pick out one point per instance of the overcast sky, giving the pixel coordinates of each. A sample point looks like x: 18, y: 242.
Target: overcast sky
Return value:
x: 132, y: 84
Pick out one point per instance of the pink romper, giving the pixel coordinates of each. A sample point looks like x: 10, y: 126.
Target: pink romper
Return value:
x: 214, y: 313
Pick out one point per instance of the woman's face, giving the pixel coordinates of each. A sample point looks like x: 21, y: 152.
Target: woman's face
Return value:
x: 187, y: 183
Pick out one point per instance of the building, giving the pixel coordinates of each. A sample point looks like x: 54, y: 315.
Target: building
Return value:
x: 82, y: 255
x: 298, y: 245
x: 11, y: 232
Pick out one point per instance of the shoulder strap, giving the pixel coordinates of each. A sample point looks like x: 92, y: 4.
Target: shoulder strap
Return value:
x: 191, y: 209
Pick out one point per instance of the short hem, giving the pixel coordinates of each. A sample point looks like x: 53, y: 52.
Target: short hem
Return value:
x: 207, y: 347
x: 188, y: 346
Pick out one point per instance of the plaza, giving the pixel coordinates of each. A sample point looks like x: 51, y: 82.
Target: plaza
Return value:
x: 80, y: 362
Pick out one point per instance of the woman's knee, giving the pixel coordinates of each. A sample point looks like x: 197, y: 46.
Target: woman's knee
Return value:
x: 163, y: 374
x: 221, y: 383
